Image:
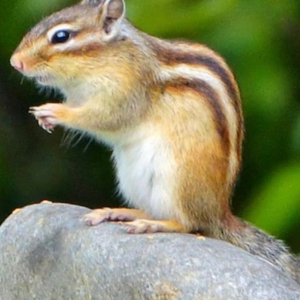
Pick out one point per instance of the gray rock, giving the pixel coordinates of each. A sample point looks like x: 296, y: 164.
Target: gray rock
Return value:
x: 47, y: 252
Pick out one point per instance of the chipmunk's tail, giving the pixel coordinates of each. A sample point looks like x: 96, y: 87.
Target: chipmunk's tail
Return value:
x: 257, y: 242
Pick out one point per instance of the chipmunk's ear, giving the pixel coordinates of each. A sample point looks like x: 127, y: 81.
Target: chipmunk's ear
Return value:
x: 113, y: 12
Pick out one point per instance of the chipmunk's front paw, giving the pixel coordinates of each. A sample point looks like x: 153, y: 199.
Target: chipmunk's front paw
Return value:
x: 48, y: 115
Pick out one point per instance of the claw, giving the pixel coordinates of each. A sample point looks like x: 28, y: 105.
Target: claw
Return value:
x: 45, y: 115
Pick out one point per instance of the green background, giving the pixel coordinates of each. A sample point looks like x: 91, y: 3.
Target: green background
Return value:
x: 260, y: 39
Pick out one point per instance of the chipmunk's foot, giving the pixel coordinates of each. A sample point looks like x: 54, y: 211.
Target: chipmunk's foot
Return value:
x: 143, y: 226
x: 107, y: 214
x: 46, y: 115
x: 152, y: 226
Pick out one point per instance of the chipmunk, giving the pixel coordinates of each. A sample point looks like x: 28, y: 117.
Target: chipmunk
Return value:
x: 170, y: 110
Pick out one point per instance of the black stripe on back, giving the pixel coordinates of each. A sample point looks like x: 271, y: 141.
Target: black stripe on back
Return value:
x: 204, y: 89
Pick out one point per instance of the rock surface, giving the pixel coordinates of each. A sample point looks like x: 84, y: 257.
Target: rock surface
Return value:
x: 47, y: 252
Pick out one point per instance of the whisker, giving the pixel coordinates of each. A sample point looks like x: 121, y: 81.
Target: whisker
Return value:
x: 88, y: 144
x: 68, y: 138
x: 81, y: 136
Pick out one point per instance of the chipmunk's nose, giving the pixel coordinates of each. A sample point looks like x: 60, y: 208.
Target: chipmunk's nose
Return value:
x: 17, y: 63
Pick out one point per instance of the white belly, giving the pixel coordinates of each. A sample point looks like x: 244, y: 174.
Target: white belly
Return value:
x: 145, y: 171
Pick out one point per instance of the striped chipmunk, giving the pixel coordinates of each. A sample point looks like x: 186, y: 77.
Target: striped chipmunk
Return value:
x: 170, y: 110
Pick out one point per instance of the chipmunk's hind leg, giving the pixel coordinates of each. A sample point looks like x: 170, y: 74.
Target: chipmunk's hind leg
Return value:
x: 136, y: 221
x: 153, y: 226
x: 106, y: 214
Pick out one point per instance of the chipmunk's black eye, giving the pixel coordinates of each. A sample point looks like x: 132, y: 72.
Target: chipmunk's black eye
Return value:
x: 60, y: 36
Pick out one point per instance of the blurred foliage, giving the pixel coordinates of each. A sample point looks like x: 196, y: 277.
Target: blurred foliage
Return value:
x: 261, y: 41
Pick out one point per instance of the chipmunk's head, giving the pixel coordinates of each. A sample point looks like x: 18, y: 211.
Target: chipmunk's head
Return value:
x: 71, y: 43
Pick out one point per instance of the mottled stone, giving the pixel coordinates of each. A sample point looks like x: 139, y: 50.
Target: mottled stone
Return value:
x: 47, y: 252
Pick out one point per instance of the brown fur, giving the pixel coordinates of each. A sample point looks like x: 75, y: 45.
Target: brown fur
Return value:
x: 209, y: 95
x: 202, y: 56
